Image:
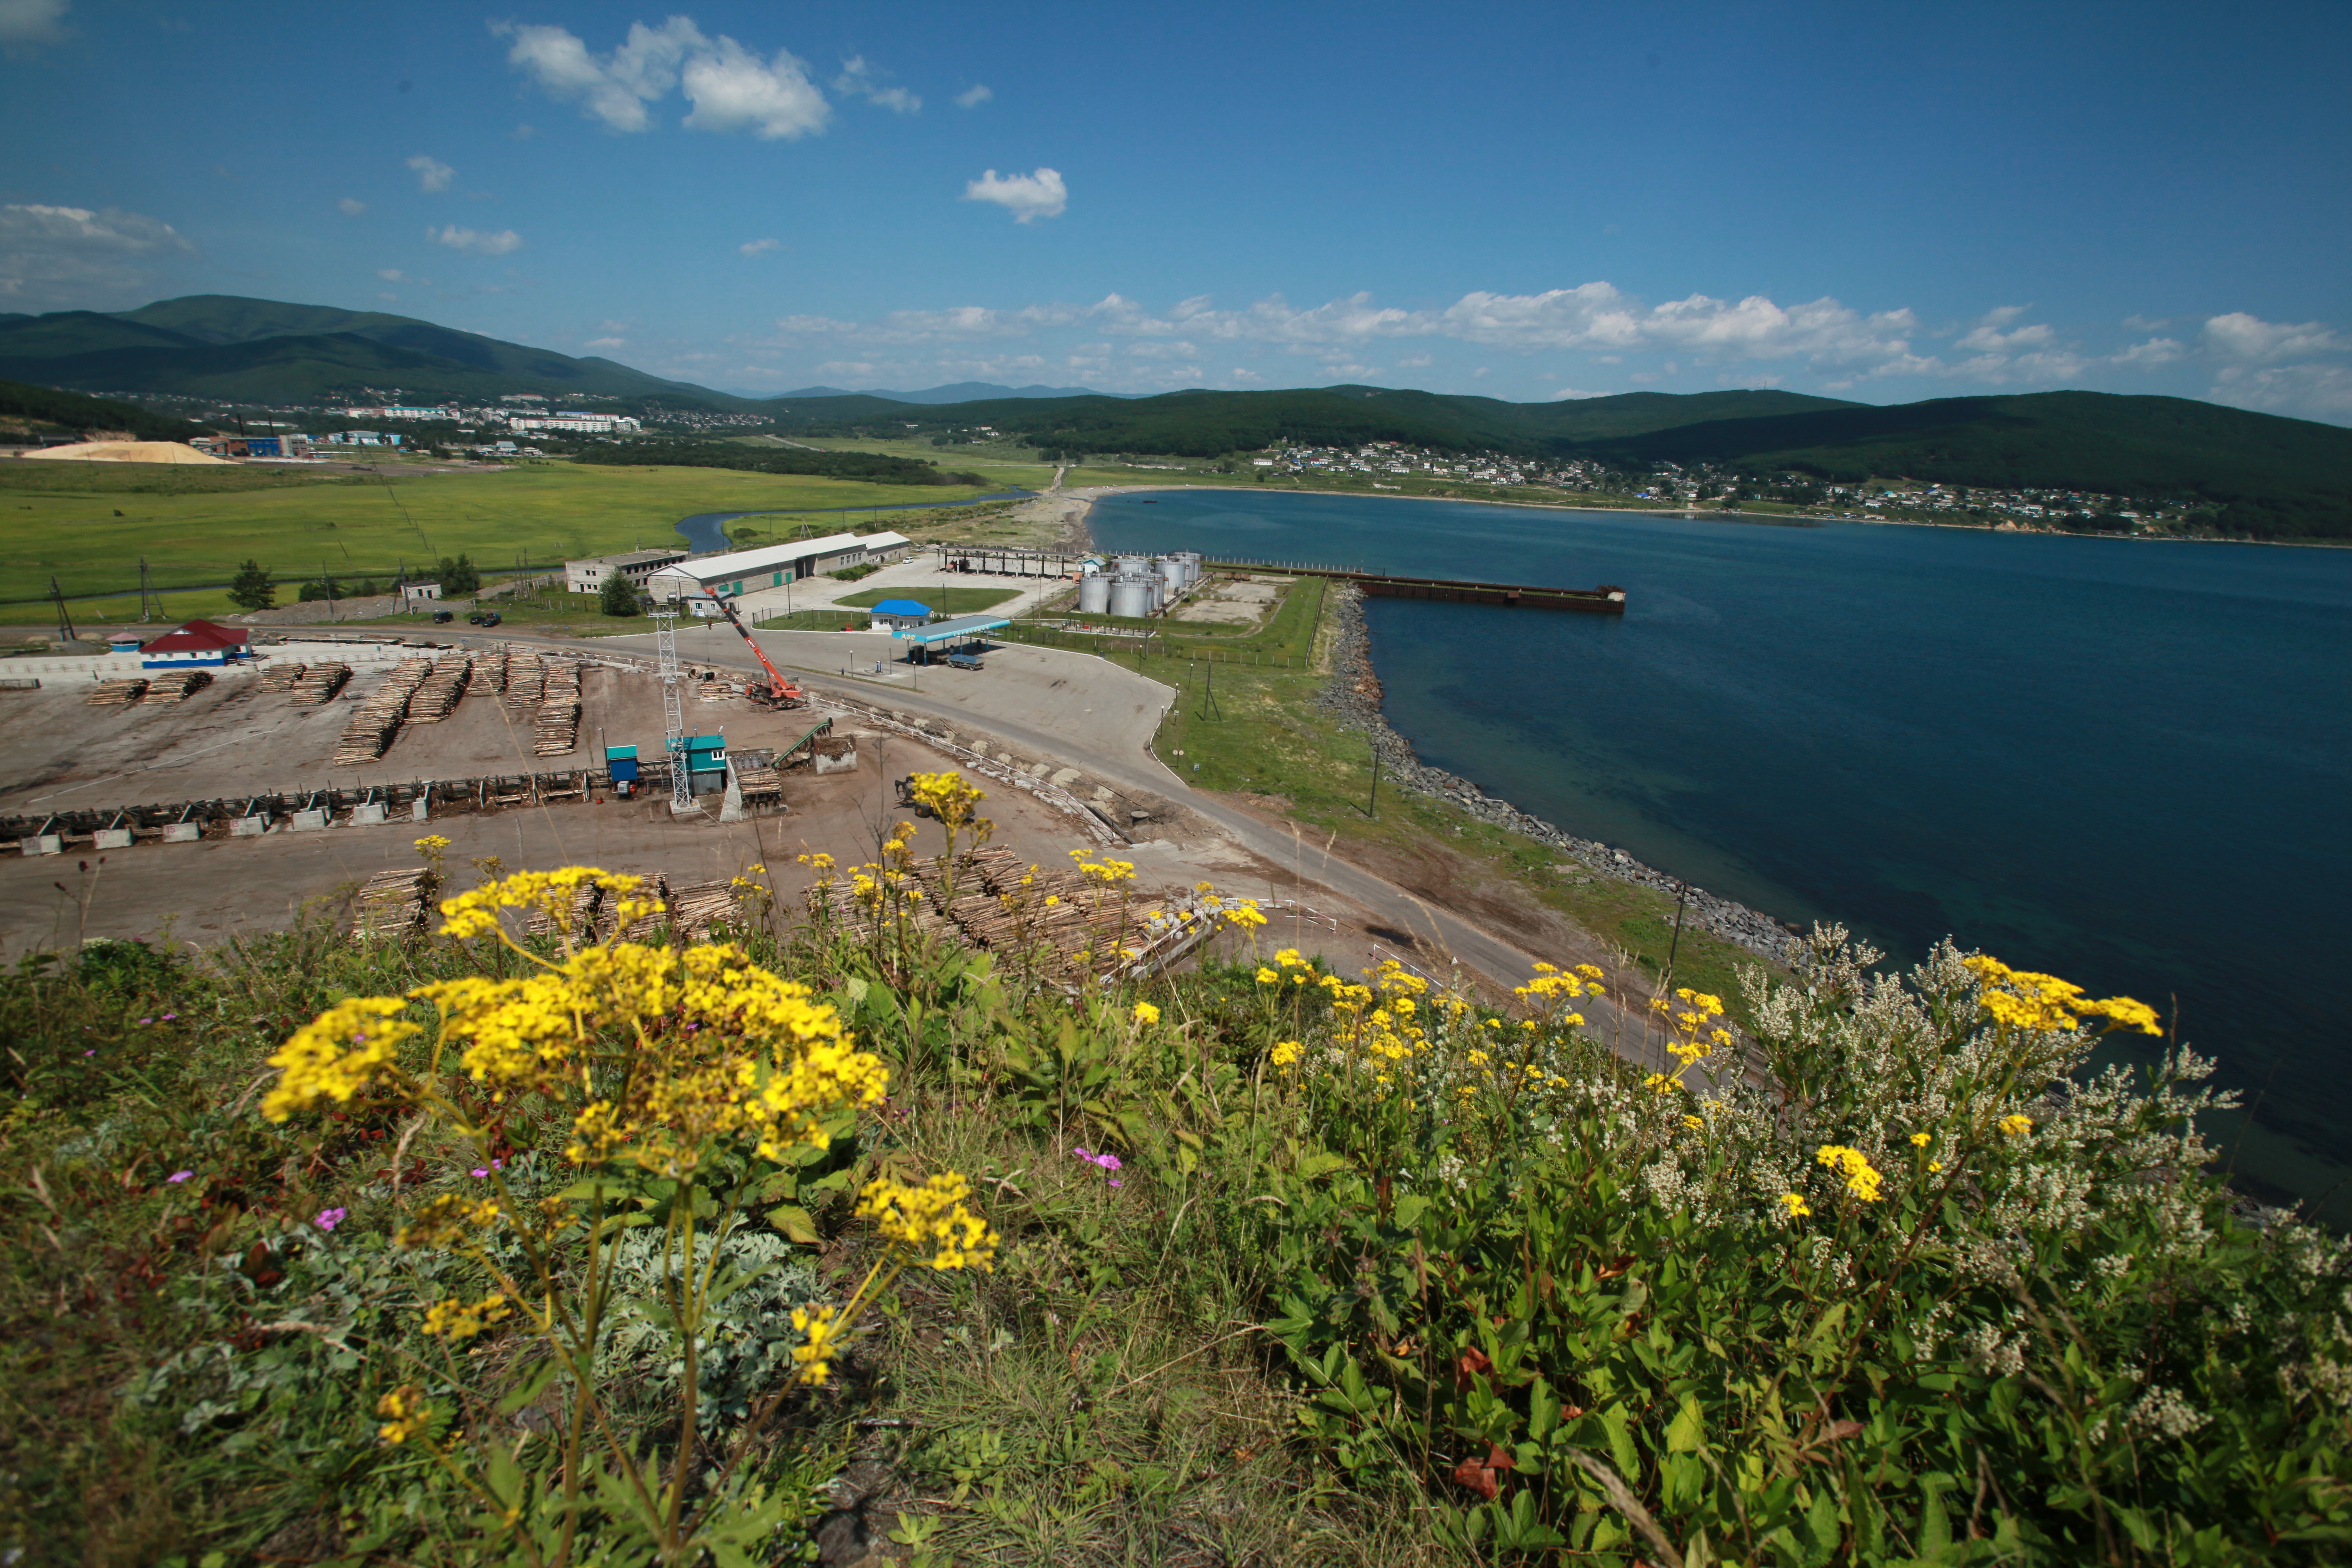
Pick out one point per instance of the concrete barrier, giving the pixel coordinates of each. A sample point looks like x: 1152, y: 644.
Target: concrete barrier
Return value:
x: 46, y: 844
x: 371, y: 814
x: 306, y: 821
x: 111, y: 838
x: 844, y: 764
x: 420, y: 809
x: 182, y: 831
x: 247, y: 827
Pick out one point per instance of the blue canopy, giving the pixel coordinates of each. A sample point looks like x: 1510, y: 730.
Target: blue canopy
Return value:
x: 902, y: 607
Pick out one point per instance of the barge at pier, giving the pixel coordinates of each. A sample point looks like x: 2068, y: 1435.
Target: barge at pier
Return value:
x: 1606, y: 600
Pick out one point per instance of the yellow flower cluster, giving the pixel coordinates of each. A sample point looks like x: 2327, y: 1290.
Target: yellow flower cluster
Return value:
x: 1285, y: 1053
x: 935, y: 1219
x: 947, y: 797
x: 1797, y: 1205
x: 2041, y: 1003
x: 821, y: 1328
x: 457, y: 1321
x: 1145, y: 1012
x: 1106, y: 870
x: 448, y: 1218
x: 2016, y: 1126
x: 709, y: 1044
x: 404, y: 1413
x: 337, y: 1054
x: 1861, y: 1180
x: 1243, y: 915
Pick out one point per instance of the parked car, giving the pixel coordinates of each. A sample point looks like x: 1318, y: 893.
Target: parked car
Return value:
x: 491, y: 619
x: 475, y: 619
x: 442, y: 617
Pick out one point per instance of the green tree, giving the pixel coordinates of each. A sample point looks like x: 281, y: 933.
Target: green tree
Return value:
x: 619, y: 598
x: 459, y: 578
x: 251, y: 589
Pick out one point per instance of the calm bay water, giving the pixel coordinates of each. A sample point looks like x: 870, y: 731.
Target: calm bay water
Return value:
x: 2126, y: 763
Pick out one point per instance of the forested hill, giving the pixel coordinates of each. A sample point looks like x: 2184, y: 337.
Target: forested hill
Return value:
x: 44, y: 410
x: 1207, y: 424
x: 2271, y: 477
x: 268, y: 351
x: 2274, y: 477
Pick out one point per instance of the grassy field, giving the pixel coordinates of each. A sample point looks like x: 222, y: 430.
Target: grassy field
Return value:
x: 88, y: 524
x: 948, y: 601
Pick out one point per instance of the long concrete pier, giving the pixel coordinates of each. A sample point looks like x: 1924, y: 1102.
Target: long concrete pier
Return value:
x: 1606, y: 600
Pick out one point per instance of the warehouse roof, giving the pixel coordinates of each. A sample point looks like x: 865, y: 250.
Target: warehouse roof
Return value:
x: 197, y: 635
x: 767, y: 558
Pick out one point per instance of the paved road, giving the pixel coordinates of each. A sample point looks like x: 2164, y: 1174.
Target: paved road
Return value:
x: 1098, y: 718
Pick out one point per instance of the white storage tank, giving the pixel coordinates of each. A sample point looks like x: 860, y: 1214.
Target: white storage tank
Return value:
x: 1191, y: 560
x: 1094, y: 595
x: 1135, y: 565
x: 1171, y: 572
x: 1131, y: 597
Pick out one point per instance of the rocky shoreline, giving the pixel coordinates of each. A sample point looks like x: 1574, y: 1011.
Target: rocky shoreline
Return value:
x: 1353, y: 696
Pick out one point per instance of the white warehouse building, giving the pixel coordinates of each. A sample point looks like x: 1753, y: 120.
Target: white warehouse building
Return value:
x: 700, y: 581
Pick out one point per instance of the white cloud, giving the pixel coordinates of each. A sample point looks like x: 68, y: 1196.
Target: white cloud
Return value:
x: 758, y: 246
x: 432, y: 173
x: 731, y: 88
x: 858, y: 79
x: 606, y: 343
x: 28, y: 22
x: 2152, y: 354
x: 79, y: 256
x: 351, y: 206
x: 2240, y: 336
x: 803, y: 326
x: 2309, y: 391
x: 1026, y: 196
x: 1567, y: 394
x: 392, y: 275
x: 2144, y: 324
x: 475, y: 242
x: 1987, y: 336
x: 973, y: 96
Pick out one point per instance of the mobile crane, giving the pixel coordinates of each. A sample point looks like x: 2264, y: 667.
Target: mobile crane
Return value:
x: 779, y: 692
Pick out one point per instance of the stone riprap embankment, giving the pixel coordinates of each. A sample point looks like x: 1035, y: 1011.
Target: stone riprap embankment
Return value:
x: 1353, y: 696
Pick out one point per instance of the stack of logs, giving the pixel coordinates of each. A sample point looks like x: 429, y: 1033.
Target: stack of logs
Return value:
x: 116, y: 693
x: 579, y: 924
x: 320, y: 682
x: 490, y: 671
x: 376, y: 720
x: 436, y: 695
x: 687, y: 912
x: 391, y: 906
x: 280, y: 677
x: 526, y: 673
x: 994, y: 909
x: 180, y: 685
x: 556, y: 728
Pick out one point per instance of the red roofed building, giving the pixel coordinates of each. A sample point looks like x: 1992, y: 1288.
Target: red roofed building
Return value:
x: 196, y: 643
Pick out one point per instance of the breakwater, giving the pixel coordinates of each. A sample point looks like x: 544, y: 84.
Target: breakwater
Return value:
x: 1353, y: 696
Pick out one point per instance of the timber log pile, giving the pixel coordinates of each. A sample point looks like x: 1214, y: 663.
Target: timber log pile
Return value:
x: 654, y: 889
x: 436, y: 695
x: 319, y: 683
x: 280, y: 676
x: 555, y: 727
x: 489, y: 670
x: 694, y: 907
x: 581, y: 920
x: 180, y: 684
x: 376, y: 720
x: 116, y: 693
x: 994, y: 909
x: 526, y: 674
x: 390, y: 905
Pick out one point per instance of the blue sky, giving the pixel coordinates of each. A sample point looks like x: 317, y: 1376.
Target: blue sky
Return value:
x: 1879, y: 201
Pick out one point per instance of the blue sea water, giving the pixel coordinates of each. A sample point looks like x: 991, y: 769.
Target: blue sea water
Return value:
x: 2126, y: 762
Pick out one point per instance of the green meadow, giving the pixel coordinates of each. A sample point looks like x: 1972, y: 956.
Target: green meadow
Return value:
x: 88, y: 524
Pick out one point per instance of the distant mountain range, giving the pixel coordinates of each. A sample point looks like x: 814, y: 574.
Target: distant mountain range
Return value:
x: 2267, y: 475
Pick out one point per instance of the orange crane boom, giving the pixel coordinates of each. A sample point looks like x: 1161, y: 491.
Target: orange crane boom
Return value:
x: 781, y: 693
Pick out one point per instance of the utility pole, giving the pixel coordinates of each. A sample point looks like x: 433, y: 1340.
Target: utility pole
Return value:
x: 1375, y: 811
x: 328, y: 578
x: 144, y: 595
x: 64, y: 621
x: 681, y: 790
x: 1682, y: 898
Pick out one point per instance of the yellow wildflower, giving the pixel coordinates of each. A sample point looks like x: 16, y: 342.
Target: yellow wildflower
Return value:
x: 1861, y: 1179
x: 821, y: 1333
x: 404, y: 1413
x: 935, y: 1217
x: 337, y: 1054
x: 1920, y: 1139
x: 1285, y: 1053
x: 2016, y: 1125
x: 1797, y: 1205
x: 456, y: 1321
x: 1145, y: 1012
x: 1267, y: 977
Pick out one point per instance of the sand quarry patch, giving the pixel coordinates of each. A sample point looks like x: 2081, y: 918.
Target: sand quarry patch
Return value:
x: 127, y: 452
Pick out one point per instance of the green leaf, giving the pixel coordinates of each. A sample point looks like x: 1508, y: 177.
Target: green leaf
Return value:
x: 795, y: 1223
x: 535, y: 1381
x: 1687, y: 1432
